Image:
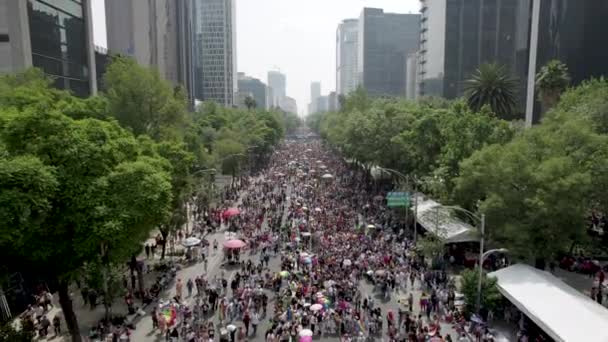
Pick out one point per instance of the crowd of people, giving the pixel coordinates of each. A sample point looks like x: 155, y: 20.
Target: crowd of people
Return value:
x: 323, y: 257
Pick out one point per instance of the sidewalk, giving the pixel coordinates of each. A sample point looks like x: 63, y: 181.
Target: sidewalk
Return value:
x: 88, y: 318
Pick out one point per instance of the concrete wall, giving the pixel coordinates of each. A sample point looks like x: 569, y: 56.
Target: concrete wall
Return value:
x: 16, y: 54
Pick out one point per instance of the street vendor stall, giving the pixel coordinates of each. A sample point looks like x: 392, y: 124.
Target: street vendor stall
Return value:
x: 436, y: 219
x: 561, y: 311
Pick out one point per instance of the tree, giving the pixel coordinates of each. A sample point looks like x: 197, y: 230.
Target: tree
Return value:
x: 250, y: 103
x: 535, y: 189
x: 86, y: 186
x: 551, y: 81
x: 230, y: 154
x: 491, y: 298
x: 142, y: 101
x: 9, y: 334
x: 431, y: 247
x: 181, y: 163
x: 492, y: 85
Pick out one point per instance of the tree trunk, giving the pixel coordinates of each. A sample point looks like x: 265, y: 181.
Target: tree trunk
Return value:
x: 140, y: 281
x: 163, y: 248
x: 540, y: 263
x: 68, y: 311
x: 571, y: 248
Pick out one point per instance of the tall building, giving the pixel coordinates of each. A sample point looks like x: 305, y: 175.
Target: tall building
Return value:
x: 253, y: 87
x: 55, y: 36
x: 384, y: 41
x: 102, y: 61
x: 270, y: 98
x: 332, y: 102
x: 278, y: 83
x: 133, y: 29
x: 456, y: 36
x: 346, y: 56
x: 315, y: 92
x: 322, y: 105
x: 181, y: 48
x: 411, y: 76
x: 288, y: 104
x: 571, y: 31
x: 214, y: 54
x: 156, y: 34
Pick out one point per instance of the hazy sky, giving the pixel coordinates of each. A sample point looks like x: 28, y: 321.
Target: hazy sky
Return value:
x: 294, y: 36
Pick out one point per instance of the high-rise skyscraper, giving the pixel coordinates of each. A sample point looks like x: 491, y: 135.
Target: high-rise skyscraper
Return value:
x: 346, y: 56
x: 277, y: 81
x: 572, y: 31
x: 215, y: 50
x: 457, y: 36
x: 55, y: 36
x: 411, y: 76
x: 253, y: 87
x: 289, y: 105
x: 384, y: 41
x: 156, y: 34
x: 133, y: 29
x: 315, y: 92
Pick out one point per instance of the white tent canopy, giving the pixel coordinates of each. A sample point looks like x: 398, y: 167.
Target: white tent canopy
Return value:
x: 564, y: 313
x: 441, y: 222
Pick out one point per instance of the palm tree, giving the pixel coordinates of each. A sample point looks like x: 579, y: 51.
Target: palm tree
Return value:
x: 551, y: 81
x: 492, y: 85
x: 250, y: 102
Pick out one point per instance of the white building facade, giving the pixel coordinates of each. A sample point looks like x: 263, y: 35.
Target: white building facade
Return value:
x: 215, y: 50
x: 346, y: 56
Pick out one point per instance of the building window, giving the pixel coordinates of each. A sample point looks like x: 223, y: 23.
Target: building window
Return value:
x: 3, y: 38
x: 58, y: 40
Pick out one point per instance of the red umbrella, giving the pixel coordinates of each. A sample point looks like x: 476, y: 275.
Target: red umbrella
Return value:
x: 230, y: 212
x: 234, y: 244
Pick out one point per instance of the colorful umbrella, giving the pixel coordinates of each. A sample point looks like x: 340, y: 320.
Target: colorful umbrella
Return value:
x: 169, y: 315
x: 316, y: 307
x: 191, y: 241
x: 234, y: 244
x: 230, y: 212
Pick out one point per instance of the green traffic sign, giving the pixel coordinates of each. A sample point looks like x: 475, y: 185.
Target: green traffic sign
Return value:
x: 397, y: 199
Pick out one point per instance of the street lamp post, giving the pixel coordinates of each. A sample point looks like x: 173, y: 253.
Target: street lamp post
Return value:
x: 482, y: 228
x: 482, y: 257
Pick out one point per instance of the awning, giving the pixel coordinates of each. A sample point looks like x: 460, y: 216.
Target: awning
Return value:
x: 563, y: 313
x: 441, y: 222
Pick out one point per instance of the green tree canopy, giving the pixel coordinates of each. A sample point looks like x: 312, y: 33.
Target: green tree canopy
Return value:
x: 491, y: 298
x: 551, y: 81
x: 492, y: 85
x: 141, y: 101
x: 75, y: 185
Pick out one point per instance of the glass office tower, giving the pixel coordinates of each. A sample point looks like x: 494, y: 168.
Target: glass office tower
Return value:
x: 59, y: 42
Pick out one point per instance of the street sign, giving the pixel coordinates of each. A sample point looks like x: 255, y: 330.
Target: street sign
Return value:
x: 397, y: 199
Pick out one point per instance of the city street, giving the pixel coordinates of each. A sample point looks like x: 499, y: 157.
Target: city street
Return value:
x: 217, y: 269
x: 144, y: 331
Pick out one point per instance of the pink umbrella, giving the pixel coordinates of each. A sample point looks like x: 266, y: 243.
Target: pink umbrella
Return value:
x: 305, y: 338
x: 316, y: 307
x: 234, y: 244
x: 230, y: 212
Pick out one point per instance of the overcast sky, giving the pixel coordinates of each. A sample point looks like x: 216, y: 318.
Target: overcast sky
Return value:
x: 296, y: 37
